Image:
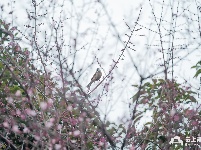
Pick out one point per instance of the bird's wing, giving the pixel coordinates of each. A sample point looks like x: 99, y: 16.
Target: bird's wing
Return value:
x: 94, y: 77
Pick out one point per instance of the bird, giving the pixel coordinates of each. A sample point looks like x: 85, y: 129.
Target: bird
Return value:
x: 95, y: 77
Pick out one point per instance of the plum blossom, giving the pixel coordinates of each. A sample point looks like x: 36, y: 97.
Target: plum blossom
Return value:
x: 15, y: 129
x: 73, y: 141
x: 52, y: 119
x: 76, y: 133
x: 59, y: 127
x: 18, y: 112
x: 37, y: 137
x: 53, y: 141
x: 69, y: 108
x: 5, y: 124
x: 101, y: 143
x: 57, y: 146
x: 48, y: 124
x: 176, y: 118
x: 10, y: 100
x: 50, y: 102
x: 43, y: 105
x: 80, y: 119
x: 30, y: 92
x: 30, y: 112
x: 26, y: 130
x: 132, y: 148
x: 172, y: 112
x: 22, y: 117
x: 18, y: 93
x: 88, y: 119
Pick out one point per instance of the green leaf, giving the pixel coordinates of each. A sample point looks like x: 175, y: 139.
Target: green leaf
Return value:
x: 147, y: 84
x: 161, y: 80
x: 148, y: 123
x: 135, y: 85
x: 1, y: 33
x: 162, y: 138
x: 187, y: 102
x: 137, y: 119
x: 197, y: 73
x: 192, y: 98
x: 90, y: 145
x: 199, y: 63
x: 154, y: 80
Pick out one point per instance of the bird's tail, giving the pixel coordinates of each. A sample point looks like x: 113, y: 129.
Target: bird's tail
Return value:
x: 88, y: 86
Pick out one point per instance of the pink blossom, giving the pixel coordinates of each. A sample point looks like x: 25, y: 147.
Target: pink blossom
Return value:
x: 24, y: 98
x: 50, y: 102
x: 18, y: 93
x: 84, y: 114
x: 88, y: 119
x: 52, y: 119
x: 76, y: 133
x: 48, y: 124
x: 132, y: 148
x: 73, y: 141
x: 9, y: 99
x: 57, y: 146
x: 18, y: 112
x: 30, y: 112
x: 101, y: 143
x: 53, y: 141
x: 33, y: 113
x: 74, y: 121
x: 47, y: 90
x: 15, y: 129
x: 102, y: 139
x: 27, y: 52
x: 17, y: 48
x: 80, y: 119
x: 5, y: 124
x: 194, y: 123
x: 59, y: 127
x: 172, y: 112
x: 69, y: 108
x: 43, y: 105
x: 12, y: 44
x: 176, y: 118
x: 23, y: 117
x: 145, y: 101
x: 50, y: 147
x: 189, y: 113
x: 30, y: 92
x: 37, y: 137
x: 26, y: 130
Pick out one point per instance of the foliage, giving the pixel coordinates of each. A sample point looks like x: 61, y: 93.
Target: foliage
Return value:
x: 198, y: 69
x: 37, y: 113
x: 171, y: 117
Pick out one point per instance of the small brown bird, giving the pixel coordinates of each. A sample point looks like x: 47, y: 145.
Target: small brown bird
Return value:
x: 95, y: 77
